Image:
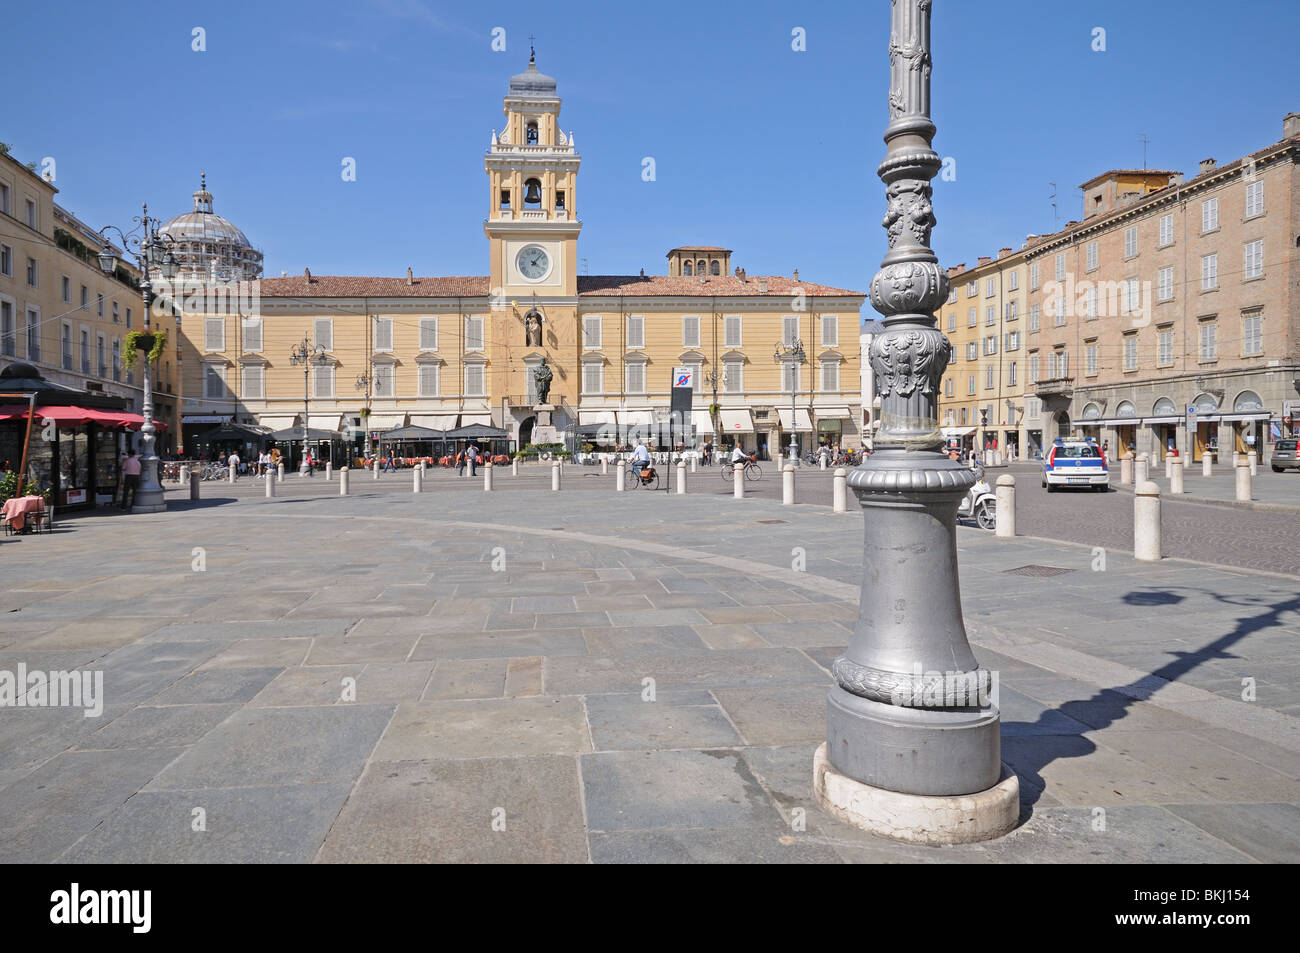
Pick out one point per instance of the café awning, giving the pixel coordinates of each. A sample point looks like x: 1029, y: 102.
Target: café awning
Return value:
x: 802, y: 420
x: 702, y: 421
x: 736, y: 421
x: 412, y: 432
x: 596, y: 417
x: 477, y: 432
x: 952, y: 433
x: 291, y: 434
x: 383, y: 421
x: 832, y: 413
x: 434, y: 421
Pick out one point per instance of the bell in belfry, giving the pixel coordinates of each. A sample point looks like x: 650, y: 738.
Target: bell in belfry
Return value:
x: 532, y: 191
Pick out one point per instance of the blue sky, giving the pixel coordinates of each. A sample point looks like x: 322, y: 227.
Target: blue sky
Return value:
x: 758, y: 148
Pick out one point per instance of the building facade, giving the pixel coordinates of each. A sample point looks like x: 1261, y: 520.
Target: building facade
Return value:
x: 60, y: 313
x: 1168, y: 318
x: 444, y: 352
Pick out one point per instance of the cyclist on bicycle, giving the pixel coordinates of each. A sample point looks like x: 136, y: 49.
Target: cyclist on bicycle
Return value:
x: 738, y: 455
x: 641, y: 457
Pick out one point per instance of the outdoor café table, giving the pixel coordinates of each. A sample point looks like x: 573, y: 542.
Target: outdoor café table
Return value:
x: 16, y: 509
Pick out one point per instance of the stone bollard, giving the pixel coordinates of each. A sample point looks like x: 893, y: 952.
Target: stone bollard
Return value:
x: 1176, y: 477
x: 417, y: 480
x: 555, y: 476
x: 997, y: 458
x: 621, y: 471
x: 514, y: 467
x: 1236, y: 455
x: 1253, y: 459
x: 1005, y: 520
x: 604, y: 464
x: 1243, y: 479
x: 231, y: 473
x: 329, y: 471
x: 694, y: 458
x: 1207, y: 464
x: 279, y: 473
x: 270, y: 489
x: 1169, y: 466
x: 681, y: 477
x: 487, y: 478
x: 787, y: 485
x: 1146, y: 522
x: 343, y: 481
x: 1126, y: 469
x: 738, y: 483
x: 1141, y: 469
x: 195, y: 478
x: 840, y: 491
x: 376, y: 468
x: 821, y: 460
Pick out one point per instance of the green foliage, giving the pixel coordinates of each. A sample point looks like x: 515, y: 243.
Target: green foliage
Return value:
x: 9, y: 488
x: 138, y: 340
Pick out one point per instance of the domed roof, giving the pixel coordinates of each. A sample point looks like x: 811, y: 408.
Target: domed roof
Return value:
x: 203, y: 224
x: 531, y: 83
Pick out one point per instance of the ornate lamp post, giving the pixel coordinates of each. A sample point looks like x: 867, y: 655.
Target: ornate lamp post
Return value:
x: 151, y: 249
x: 306, y: 354
x: 913, y: 749
x: 793, y: 355
x: 363, y: 383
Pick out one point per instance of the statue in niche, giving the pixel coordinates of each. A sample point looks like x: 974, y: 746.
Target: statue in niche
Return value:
x: 542, y: 378
x: 533, y: 328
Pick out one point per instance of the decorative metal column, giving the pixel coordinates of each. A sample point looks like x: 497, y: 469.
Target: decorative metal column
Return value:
x: 911, y: 711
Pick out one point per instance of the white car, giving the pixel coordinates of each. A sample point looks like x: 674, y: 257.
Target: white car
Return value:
x: 1075, y: 463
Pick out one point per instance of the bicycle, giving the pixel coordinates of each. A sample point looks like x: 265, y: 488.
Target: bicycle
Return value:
x: 633, y: 478
x: 214, y: 472
x: 751, y: 470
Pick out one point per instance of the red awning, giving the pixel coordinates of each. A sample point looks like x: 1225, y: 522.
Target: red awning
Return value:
x: 136, y: 421
x: 13, y: 412
x: 67, y: 416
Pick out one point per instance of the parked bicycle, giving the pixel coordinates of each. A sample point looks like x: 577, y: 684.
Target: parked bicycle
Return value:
x: 215, y: 471
x: 751, y: 470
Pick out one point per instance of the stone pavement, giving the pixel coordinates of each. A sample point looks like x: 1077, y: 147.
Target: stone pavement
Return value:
x: 1274, y: 492
x: 603, y: 677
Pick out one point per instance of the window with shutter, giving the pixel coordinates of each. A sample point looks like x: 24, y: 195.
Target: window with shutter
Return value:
x: 429, y: 334
x: 831, y: 377
x: 1209, y: 272
x: 214, y: 387
x: 474, y: 380
x: 1254, y: 259
x: 789, y: 330
x: 1254, y: 199
x: 731, y: 331
x: 323, y: 380
x: 790, y: 377
x: 474, y: 333
x: 324, y: 333
x: 1209, y: 215
x: 593, y: 378
x: 691, y: 331
x: 252, y: 334
x: 253, y: 382
x: 831, y: 329
x: 383, y: 380
x: 1166, y: 230
x: 428, y: 380
x: 733, y: 377
x: 214, y: 334
x: 591, y: 332
x: 636, y: 378
x: 383, y: 334
x: 635, y: 330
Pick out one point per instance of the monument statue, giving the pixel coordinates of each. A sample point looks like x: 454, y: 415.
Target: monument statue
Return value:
x: 533, y: 328
x: 542, y: 377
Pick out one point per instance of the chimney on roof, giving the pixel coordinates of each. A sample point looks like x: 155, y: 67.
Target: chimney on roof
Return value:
x: 1207, y: 165
x: 410, y: 278
x: 1176, y: 179
x: 307, y: 273
x: 796, y: 274
x: 983, y: 260
x: 740, y: 273
x: 1291, y: 126
x: 1003, y: 251
x: 762, y: 286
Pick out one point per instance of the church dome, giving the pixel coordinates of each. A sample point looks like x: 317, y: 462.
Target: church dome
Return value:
x: 531, y: 83
x: 209, y: 246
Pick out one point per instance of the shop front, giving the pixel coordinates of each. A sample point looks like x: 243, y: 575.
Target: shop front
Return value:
x: 1164, y: 423
x: 1203, y: 421
x: 1090, y: 421
x: 735, y: 428
x: 831, y: 422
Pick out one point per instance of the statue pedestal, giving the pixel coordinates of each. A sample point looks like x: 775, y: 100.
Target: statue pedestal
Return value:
x: 544, y: 412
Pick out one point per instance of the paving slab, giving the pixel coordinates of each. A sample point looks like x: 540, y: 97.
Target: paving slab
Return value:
x: 475, y: 728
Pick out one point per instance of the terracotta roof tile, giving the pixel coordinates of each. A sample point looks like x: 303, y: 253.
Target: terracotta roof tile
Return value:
x: 721, y: 286
x: 476, y: 286
x: 362, y: 286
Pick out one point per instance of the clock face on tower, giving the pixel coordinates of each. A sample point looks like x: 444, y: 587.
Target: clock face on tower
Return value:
x: 533, y: 262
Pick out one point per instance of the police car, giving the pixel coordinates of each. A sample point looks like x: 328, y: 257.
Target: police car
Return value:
x: 1075, y: 463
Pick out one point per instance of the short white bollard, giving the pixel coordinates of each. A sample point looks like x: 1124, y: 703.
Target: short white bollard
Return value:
x: 343, y: 481
x: 1146, y: 522
x: 604, y: 464
x: 840, y: 491
x: 681, y: 476
x: 555, y: 476
x: 738, y: 482
x: 821, y: 460
x: 270, y: 488
x: 195, y: 477
x: 997, y: 458
x: 1207, y: 464
x: 1176, y: 477
x: 1253, y: 458
x: 231, y: 473
x: 1141, y: 469
x: 1236, y: 455
x: 376, y: 468
x: 514, y: 467
x: 279, y: 473
x: 621, y: 471
x: 1169, y: 466
x: 417, y: 480
x: 694, y: 459
x: 787, y: 485
x: 1243, y: 480
x: 1005, y: 518
x: 487, y: 478
x: 329, y: 471
x: 1126, y: 469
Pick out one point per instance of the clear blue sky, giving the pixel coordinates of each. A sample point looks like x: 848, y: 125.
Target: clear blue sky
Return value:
x: 758, y: 148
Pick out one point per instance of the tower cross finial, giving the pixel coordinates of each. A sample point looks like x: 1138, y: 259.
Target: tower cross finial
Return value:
x: 532, y: 53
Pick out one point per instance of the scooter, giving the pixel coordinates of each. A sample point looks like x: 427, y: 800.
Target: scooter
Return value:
x: 980, y: 502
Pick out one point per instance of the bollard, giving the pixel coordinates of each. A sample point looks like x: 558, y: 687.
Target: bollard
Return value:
x: 487, y: 478
x: 376, y: 468
x: 621, y: 469
x: 270, y: 489
x: 1146, y: 522
x: 840, y: 493
x: 1236, y: 455
x: 417, y: 480
x: 195, y: 479
x: 329, y: 471
x: 1207, y: 464
x: 997, y: 458
x: 1141, y: 469
x: 343, y: 481
x: 1176, y: 477
x: 555, y: 476
x: 1253, y: 459
x: 279, y: 473
x: 604, y: 464
x: 787, y: 485
x: 1169, y: 467
x: 681, y: 476
x: 694, y: 458
x: 738, y: 483
x: 821, y: 460
x: 231, y: 473
x: 1243, y: 479
x: 1126, y: 469
x: 1005, y: 520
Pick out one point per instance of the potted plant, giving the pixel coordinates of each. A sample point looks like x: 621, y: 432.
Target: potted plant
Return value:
x: 154, y: 342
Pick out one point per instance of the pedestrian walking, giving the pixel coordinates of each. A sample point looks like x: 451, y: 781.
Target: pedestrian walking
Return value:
x: 233, y: 462
x: 388, y: 462
x: 472, y: 453
x: 130, y: 479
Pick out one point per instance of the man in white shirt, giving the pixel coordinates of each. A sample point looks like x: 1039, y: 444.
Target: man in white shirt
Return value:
x: 738, y: 454
x: 641, y: 458
x: 233, y: 462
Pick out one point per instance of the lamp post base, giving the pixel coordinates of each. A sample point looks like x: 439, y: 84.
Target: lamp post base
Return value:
x: 932, y: 820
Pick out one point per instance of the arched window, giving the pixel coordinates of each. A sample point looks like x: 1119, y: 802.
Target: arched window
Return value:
x: 713, y: 268
x: 699, y: 267
x: 686, y: 269
x: 531, y: 133
x: 1247, y: 401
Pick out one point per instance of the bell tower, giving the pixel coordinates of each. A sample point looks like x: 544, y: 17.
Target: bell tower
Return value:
x: 532, y: 168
